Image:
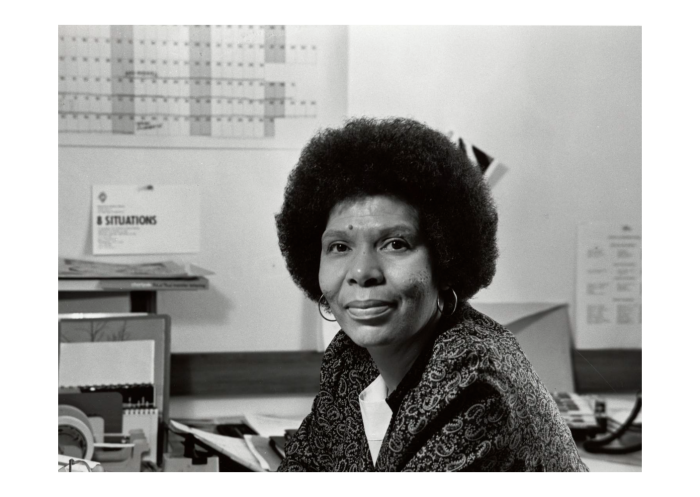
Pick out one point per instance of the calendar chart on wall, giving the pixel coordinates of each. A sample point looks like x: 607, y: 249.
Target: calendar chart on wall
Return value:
x: 200, y: 85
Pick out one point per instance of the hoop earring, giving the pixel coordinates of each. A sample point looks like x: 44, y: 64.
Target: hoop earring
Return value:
x: 454, y: 308
x: 323, y: 297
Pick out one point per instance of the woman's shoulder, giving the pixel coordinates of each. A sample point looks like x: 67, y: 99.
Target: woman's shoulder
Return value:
x: 483, y: 353
x: 480, y: 362
x: 477, y: 342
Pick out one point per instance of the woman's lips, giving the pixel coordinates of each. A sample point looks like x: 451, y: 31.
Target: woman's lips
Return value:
x: 363, y: 310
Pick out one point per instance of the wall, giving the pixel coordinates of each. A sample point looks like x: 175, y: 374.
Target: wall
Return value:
x: 240, y: 192
x: 560, y: 106
x: 252, y: 303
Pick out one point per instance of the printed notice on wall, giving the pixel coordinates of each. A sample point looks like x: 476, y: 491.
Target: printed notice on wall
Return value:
x: 609, y: 286
x: 152, y: 219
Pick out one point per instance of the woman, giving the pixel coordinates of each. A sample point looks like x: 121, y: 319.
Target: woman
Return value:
x: 387, y: 225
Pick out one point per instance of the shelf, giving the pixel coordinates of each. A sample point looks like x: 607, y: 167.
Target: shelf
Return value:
x: 142, y: 291
x: 130, y: 285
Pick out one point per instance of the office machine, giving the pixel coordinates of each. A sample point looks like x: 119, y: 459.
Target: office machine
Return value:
x: 114, y: 387
x: 81, y: 438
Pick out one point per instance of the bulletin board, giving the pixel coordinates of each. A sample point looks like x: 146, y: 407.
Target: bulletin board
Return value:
x: 197, y: 86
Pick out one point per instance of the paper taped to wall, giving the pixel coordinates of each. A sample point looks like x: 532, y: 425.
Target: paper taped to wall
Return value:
x: 151, y: 219
x: 609, y: 286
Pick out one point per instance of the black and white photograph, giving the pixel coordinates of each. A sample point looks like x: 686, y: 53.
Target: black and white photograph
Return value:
x: 349, y: 248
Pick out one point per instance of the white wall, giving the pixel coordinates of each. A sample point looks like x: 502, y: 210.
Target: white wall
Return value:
x: 560, y: 106
x: 252, y: 303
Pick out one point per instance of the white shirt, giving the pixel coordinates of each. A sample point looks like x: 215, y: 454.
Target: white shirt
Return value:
x: 376, y: 414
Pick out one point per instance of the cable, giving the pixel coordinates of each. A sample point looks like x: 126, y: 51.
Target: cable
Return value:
x: 598, y: 445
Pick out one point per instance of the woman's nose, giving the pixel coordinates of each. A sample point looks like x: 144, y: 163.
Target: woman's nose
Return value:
x: 365, y: 269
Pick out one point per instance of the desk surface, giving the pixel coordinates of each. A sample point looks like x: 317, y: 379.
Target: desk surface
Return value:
x: 621, y: 462
x: 205, y: 407
x: 612, y: 463
x: 606, y: 466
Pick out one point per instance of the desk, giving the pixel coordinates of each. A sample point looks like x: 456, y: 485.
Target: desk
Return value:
x: 609, y: 462
x: 209, y: 406
x: 142, y: 292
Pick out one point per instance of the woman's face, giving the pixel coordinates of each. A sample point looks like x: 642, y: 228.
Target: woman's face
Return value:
x: 375, y: 271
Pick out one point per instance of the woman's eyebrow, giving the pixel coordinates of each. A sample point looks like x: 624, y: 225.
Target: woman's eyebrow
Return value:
x: 398, y: 229
x: 334, y: 234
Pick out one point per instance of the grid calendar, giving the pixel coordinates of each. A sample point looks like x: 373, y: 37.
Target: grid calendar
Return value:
x: 214, y: 81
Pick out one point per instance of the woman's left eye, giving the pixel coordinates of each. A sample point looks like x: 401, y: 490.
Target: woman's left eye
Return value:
x: 396, y: 245
x: 337, y: 247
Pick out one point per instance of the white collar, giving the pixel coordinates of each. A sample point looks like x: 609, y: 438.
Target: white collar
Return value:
x: 376, y: 414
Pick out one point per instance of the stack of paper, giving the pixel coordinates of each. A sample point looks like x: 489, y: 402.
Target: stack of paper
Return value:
x: 235, y: 448
x: 270, y: 426
x: 266, y: 456
x: 77, y: 268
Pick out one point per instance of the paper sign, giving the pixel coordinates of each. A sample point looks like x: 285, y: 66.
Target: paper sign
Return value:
x: 128, y: 362
x: 153, y: 219
x: 609, y: 286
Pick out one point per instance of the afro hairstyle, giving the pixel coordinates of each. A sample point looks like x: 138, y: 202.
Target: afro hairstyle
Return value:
x: 401, y: 158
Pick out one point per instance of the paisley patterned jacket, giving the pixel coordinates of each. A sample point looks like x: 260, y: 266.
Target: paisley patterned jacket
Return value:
x: 470, y: 402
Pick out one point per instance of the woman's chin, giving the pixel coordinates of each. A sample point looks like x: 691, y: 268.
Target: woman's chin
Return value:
x: 368, y: 336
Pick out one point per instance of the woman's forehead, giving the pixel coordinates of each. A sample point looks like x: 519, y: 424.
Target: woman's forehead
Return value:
x: 373, y: 208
